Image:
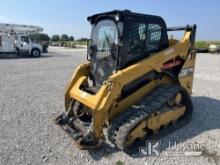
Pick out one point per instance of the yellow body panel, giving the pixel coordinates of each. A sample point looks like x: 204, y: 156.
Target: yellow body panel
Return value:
x: 118, y: 107
x: 156, y: 121
x: 187, y: 81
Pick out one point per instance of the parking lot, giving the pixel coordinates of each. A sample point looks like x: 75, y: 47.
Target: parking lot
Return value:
x: 32, y: 93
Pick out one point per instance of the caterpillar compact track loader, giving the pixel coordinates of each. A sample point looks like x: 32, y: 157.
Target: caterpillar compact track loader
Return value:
x: 136, y: 82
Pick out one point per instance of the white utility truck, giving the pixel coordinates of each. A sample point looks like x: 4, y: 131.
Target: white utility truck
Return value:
x: 14, y: 39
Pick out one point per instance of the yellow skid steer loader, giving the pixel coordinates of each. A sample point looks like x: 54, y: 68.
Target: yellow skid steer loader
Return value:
x: 136, y: 83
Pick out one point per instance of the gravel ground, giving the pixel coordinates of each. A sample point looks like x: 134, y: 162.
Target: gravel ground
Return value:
x: 32, y: 92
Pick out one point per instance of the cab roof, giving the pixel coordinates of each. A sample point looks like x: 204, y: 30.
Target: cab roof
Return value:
x: 123, y: 13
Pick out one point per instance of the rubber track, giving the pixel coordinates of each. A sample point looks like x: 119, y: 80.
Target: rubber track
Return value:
x: 122, y: 125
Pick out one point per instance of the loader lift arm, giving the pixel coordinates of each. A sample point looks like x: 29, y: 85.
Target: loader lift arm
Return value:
x: 191, y: 28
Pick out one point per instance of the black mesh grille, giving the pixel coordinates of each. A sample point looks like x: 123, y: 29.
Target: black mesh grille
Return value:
x: 144, y: 38
x: 153, y: 37
x: 137, y: 38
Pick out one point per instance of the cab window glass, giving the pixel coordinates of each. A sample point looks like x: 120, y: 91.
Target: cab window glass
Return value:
x: 143, y: 38
x: 137, y: 38
x: 153, y: 37
x: 24, y: 39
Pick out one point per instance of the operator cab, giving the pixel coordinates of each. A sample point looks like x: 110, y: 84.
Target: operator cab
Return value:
x: 122, y: 38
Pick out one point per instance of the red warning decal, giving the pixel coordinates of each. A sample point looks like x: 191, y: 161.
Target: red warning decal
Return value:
x: 171, y: 64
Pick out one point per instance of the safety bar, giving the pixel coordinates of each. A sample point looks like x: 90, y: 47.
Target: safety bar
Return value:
x: 191, y: 28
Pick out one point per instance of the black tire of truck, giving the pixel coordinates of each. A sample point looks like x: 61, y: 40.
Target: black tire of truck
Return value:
x: 35, y: 52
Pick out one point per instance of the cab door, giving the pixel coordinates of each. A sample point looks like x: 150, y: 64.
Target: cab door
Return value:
x: 25, y: 43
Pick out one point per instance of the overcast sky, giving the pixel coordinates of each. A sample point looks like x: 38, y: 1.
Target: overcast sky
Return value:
x: 68, y: 16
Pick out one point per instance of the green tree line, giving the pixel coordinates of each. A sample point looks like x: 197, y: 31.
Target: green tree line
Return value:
x: 63, y: 37
x: 205, y: 44
x: 38, y: 37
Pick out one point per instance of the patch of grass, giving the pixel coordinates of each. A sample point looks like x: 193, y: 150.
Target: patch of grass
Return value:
x: 108, y: 155
x: 211, y: 156
x: 205, y: 44
x: 80, y: 42
x: 119, y: 162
